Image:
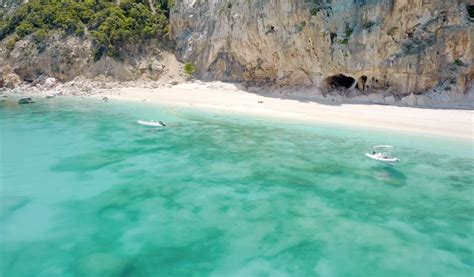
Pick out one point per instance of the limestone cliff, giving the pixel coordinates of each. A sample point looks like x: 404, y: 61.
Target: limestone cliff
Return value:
x: 402, y: 46
x: 66, y: 58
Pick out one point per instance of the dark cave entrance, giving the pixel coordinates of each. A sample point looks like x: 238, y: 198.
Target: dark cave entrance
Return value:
x: 361, y: 83
x: 340, y: 81
x: 470, y: 11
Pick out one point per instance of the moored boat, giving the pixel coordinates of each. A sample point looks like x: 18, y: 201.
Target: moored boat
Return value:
x: 383, y: 153
x: 152, y: 123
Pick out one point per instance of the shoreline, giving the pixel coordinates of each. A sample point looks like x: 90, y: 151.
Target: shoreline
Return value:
x: 457, y: 123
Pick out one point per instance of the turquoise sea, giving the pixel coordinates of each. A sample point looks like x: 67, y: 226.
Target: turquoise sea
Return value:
x: 85, y: 191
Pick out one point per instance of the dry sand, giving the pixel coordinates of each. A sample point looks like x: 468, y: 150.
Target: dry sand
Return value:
x: 228, y: 98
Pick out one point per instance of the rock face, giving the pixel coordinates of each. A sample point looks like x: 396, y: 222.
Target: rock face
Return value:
x: 402, y: 46
x: 65, y: 58
x: 12, y: 80
x: 61, y: 58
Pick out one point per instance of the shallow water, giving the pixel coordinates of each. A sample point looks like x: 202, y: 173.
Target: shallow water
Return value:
x: 85, y: 191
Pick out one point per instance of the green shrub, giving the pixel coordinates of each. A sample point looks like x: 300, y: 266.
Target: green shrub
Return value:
x: 366, y: 24
x: 3, y: 25
x: 11, y: 42
x: 349, y: 30
x: 314, y: 11
x: 111, y: 26
x: 344, y: 41
x: 189, y: 68
x: 40, y: 36
x: 458, y: 62
x: 24, y: 29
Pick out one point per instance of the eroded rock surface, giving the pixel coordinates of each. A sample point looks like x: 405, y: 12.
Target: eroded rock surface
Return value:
x: 65, y: 58
x: 398, y: 45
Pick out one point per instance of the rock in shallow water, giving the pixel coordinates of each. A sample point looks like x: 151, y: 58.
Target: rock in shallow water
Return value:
x: 26, y: 100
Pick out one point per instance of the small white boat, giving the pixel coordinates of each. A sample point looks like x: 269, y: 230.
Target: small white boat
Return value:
x: 383, y: 153
x: 152, y: 123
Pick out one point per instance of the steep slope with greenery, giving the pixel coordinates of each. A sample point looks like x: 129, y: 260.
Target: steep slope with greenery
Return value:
x: 111, y: 26
x: 123, y: 39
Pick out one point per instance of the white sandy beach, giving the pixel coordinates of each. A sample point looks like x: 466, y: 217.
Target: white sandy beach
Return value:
x: 457, y: 122
x: 443, y: 122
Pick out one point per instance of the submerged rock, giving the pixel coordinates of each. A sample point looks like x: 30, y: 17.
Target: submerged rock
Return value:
x: 8, y: 205
x: 101, y: 264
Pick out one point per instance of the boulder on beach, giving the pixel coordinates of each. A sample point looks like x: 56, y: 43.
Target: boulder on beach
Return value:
x: 26, y: 100
x: 12, y: 80
x: 410, y: 100
x: 156, y: 66
x: 50, y: 82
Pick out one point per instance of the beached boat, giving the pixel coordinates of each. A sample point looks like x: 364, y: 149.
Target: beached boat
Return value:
x: 152, y: 123
x: 383, y: 153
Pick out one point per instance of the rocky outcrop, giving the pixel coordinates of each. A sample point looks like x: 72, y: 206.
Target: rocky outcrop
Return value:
x: 65, y: 58
x: 12, y: 80
x: 61, y: 58
x: 365, y: 46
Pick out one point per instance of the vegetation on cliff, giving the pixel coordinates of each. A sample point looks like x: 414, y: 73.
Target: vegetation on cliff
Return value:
x: 189, y: 68
x: 110, y: 26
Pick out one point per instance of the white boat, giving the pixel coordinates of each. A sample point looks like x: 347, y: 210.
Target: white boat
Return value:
x: 152, y: 123
x: 383, y: 153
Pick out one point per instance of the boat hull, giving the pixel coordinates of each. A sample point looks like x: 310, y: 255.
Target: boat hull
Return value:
x: 150, y: 123
x: 390, y: 161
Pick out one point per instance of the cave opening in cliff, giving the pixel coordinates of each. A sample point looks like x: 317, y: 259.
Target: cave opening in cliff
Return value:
x: 361, y: 83
x: 470, y: 10
x: 340, y: 81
